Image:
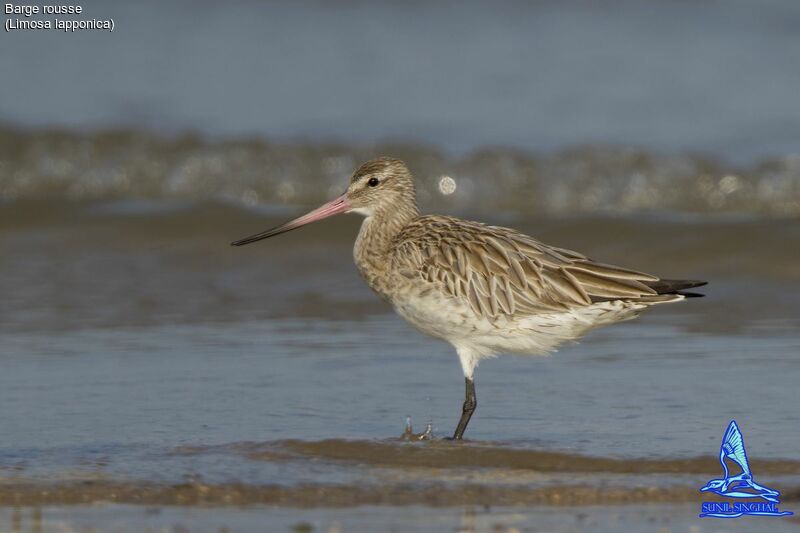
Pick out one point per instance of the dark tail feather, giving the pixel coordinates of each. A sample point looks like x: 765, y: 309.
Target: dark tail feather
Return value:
x: 690, y: 294
x: 676, y: 286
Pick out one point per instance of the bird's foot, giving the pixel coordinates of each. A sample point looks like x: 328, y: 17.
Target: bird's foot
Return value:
x: 409, y: 435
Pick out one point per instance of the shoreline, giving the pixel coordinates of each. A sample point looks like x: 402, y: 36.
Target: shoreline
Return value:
x: 348, y: 495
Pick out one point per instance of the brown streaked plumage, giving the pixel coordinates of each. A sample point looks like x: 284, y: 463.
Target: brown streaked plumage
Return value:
x: 485, y: 289
x: 500, y: 271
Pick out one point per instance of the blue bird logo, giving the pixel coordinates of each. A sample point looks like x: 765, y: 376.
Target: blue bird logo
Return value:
x: 741, y: 485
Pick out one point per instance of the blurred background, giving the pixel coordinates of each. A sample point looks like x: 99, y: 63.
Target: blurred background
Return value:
x: 550, y: 106
x: 663, y: 136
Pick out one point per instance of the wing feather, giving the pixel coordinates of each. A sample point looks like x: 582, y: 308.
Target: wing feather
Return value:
x: 499, y: 271
x: 733, y: 445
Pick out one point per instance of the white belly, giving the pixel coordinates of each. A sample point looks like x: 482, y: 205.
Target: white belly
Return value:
x: 453, y: 320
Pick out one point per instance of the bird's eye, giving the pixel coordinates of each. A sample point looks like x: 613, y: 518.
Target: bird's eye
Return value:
x: 373, y: 182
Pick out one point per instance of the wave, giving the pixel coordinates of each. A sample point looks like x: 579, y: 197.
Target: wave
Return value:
x: 133, y: 164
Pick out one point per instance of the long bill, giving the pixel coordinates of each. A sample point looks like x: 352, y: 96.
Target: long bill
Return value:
x: 334, y: 207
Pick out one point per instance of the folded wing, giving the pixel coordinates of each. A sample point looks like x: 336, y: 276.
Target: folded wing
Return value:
x: 500, y: 271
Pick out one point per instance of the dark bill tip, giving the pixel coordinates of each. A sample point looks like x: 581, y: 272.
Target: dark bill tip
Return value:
x: 338, y: 205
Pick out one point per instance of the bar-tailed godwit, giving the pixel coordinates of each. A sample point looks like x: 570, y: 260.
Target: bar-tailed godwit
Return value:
x: 484, y: 289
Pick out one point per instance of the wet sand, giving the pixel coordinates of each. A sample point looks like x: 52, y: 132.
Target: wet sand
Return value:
x: 423, y: 486
x: 392, y: 472
x: 444, y: 454
x: 435, y: 495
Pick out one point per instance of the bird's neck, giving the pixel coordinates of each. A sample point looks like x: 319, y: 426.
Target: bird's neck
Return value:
x: 376, y: 238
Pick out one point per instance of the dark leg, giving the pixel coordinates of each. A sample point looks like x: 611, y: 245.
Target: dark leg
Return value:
x: 470, y: 403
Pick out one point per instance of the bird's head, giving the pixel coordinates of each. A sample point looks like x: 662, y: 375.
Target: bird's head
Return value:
x: 379, y: 185
x: 714, y: 484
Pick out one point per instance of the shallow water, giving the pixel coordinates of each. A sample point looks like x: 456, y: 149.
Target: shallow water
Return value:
x: 468, y: 519
x: 133, y: 402
x: 140, y: 353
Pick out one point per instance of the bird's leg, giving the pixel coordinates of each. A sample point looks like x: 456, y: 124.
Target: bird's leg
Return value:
x: 470, y: 402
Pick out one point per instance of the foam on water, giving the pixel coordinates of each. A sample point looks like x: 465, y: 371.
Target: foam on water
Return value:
x: 592, y: 179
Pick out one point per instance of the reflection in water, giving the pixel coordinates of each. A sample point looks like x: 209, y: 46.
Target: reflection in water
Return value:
x: 34, y: 522
x: 468, y: 520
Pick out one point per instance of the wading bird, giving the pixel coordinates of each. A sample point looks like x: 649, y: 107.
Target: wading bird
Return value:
x: 484, y: 289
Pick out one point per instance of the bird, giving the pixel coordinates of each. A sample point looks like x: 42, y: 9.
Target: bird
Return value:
x: 485, y: 289
x: 732, y: 448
